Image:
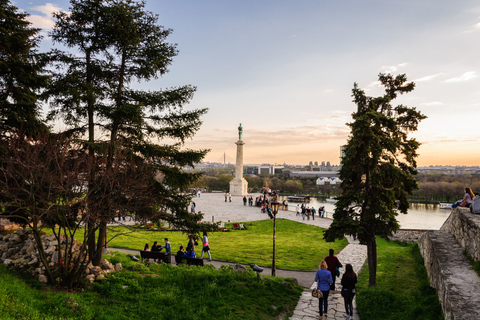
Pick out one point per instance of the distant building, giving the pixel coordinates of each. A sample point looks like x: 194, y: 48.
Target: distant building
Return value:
x: 314, y: 174
x: 322, y: 181
x: 452, y: 170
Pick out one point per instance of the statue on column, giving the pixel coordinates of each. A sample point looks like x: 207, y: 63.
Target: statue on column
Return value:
x: 240, y: 129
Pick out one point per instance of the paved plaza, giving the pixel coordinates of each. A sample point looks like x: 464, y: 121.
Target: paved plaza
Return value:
x: 215, y: 209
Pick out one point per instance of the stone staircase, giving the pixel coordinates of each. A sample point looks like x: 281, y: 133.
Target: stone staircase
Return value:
x: 450, y: 272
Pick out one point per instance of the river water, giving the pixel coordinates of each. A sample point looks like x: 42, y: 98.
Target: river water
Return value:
x: 420, y: 216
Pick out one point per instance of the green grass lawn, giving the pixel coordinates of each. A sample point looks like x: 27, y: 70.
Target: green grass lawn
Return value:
x: 154, y: 292
x: 403, y: 290
x: 298, y: 246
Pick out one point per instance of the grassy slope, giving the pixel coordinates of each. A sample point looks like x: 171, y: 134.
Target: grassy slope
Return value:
x: 155, y: 292
x: 403, y: 290
x: 298, y: 246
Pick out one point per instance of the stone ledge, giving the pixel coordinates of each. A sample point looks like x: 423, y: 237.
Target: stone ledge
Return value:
x: 465, y: 227
x: 407, y: 235
x: 449, y: 271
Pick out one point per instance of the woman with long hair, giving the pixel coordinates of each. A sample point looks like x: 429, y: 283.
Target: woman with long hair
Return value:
x: 467, y: 199
x: 323, y: 278
x: 349, y: 279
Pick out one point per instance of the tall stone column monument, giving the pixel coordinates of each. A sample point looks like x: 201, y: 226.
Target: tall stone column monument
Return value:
x: 239, y: 186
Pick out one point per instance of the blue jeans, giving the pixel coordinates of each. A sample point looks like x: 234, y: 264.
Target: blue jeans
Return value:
x: 209, y: 256
x: 323, y: 303
x: 456, y: 204
x: 349, y: 305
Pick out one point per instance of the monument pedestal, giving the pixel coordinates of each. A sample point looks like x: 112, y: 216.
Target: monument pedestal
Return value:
x: 239, y: 187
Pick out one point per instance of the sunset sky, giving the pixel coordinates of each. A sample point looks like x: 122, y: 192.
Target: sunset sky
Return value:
x: 285, y: 70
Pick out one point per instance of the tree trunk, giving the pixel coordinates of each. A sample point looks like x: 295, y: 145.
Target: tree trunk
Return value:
x: 41, y: 252
x: 102, y: 234
x: 372, y: 260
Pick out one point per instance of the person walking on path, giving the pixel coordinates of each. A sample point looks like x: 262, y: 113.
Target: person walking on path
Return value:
x: 192, y: 207
x: 244, y: 200
x: 323, y: 278
x: 226, y: 195
x: 333, y: 263
x: 349, y: 279
x: 298, y: 209
x: 206, y: 247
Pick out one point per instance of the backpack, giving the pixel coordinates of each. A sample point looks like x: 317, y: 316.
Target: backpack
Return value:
x: 475, y: 205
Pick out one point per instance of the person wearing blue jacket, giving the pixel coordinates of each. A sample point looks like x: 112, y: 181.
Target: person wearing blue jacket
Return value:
x: 323, y: 278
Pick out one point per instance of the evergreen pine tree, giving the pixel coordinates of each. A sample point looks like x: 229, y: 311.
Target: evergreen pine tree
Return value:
x: 378, y: 167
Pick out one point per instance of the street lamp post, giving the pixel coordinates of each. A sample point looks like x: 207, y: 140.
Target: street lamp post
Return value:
x: 275, y: 205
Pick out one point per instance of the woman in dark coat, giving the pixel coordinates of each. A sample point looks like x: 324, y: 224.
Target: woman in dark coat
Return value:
x: 349, y: 280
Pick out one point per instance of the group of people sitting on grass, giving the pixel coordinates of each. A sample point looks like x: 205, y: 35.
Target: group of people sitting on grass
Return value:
x: 325, y: 279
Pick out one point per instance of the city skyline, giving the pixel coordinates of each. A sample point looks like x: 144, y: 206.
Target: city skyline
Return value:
x: 285, y: 70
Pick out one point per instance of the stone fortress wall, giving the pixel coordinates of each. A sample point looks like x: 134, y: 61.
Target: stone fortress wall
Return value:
x: 449, y: 270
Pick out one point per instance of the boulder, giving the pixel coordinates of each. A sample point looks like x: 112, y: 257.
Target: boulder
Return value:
x: 239, y: 268
x: 43, y: 279
x: 106, y: 265
x: 90, y: 277
x: 95, y: 270
x: 33, y: 262
x: 118, y: 267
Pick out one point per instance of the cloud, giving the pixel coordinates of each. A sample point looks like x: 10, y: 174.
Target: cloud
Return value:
x: 428, y: 78
x: 464, y: 77
x: 433, y: 103
x: 41, y: 22
x: 47, y: 9
x: 473, y: 28
x: 44, y: 21
x: 374, y: 84
x: 392, y: 69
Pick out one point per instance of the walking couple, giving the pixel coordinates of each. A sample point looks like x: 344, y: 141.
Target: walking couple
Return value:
x: 325, y: 278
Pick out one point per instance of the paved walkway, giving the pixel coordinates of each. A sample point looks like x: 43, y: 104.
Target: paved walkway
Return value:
x: 215, y: 209
x: 307, y: 307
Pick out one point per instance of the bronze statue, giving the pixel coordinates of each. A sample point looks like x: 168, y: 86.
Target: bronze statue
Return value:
x: 240, y: 129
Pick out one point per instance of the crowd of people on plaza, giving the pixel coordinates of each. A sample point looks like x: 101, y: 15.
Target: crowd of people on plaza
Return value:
x: 308, y: 212
x: 325, y: 277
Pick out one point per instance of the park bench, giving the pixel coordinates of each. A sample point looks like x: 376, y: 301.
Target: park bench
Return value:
x: 239, y: 226
x: 194, y: 261
x: 190, y: 261
x: 161, y: 256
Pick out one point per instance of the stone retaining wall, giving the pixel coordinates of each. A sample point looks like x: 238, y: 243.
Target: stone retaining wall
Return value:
x: 450, y: 273
x: 19, y: 250
x: 465, y: 228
